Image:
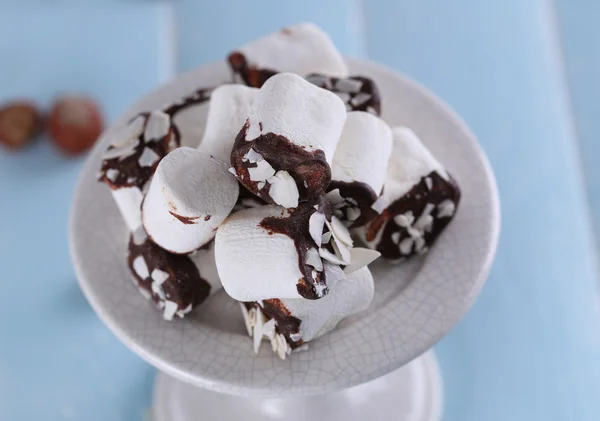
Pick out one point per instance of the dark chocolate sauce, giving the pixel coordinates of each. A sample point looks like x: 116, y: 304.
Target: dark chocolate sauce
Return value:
x: 310, y: 170
x: 362, y: 193
x: 184, y: 286
x: 197, y: 97
x: 296, y: 226
x: 415, y: 201
x: 187, y: 220
x: 372, y: 105
x: 252, y: 76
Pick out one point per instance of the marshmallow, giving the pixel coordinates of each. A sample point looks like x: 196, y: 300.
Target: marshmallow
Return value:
x: 283, y: 152
x: 132, y: 158
x: 176, y: 283
x: 269, y: 251
x: 419, y: 200
x: 187, y: 115
x: 291, y: 323
x: 359, y: 93
x: 302, y: 49
x: 359, y: 167
x: 189, y: 196
x: 229, y: 108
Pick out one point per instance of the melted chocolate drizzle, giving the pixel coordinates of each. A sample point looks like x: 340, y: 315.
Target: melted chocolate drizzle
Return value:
x: 296, y: 226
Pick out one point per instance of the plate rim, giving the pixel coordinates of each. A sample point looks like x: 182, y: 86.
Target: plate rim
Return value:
x: 217, y: 384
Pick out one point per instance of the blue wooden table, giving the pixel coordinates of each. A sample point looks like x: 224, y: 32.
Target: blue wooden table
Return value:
x: 523, y: 74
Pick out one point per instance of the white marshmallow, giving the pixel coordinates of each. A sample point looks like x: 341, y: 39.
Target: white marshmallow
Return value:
x: 129, y: 201
x: 228, y: 110
x: 252, y: 264
x: 409, y: 162
x: 352, y: 293
x: 310, y: 117
x: 302, y: 49
x: 191, y: 193
x: 363, y: 151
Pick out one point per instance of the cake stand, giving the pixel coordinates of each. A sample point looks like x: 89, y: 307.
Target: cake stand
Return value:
x: 375, y: 364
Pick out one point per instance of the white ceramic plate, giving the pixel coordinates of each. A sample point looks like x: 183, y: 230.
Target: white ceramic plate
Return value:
x: 415, y: 303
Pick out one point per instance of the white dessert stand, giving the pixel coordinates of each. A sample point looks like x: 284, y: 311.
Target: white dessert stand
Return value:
x: 374, y: 365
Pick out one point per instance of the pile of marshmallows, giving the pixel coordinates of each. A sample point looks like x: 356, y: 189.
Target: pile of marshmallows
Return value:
x: 294, y: 167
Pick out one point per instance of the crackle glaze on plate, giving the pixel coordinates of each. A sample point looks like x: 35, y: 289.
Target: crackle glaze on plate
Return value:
x: 415, y: 303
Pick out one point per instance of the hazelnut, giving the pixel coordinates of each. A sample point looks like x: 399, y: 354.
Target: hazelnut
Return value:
x: 75, y: 123
x: 20, y: 121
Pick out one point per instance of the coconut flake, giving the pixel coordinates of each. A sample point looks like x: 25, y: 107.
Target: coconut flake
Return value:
x: 232, y: 171
x: 258, y: 330
x: 315, y: 227
x: 446, y: 209
x: 121, y: 152
x: 252, y: 156
x: 159, y: 276
x: 360, y: 99
x: 269, y: 329
x: 419, y: 244
x: 158, y: 290
x: 140, y: 267
x: 248, y: 320
x: 342, y: 251
x: 182, y: 313
x: 283, y: 190
x: 348, y: 85
x: 148, y: 158
x: 406, y: 245
x: 158, y: 126
x: 131, y: 132
x: 326, y: 237
x: 321, y: 81
x: 341, y: 232
x: 262, y: 172
x: 170, y: 310
x: 334, y: 197
x: 327, y: 255
x: 404, y: 219
x: 352, y: 214
x: 380, y: 204
x: 112, y: 174
x: 344, y: 97
x: 428, y: 182
x: 313, y: 259
x: 396, y: 237
x: 361, y: 257
x: 260, y: 185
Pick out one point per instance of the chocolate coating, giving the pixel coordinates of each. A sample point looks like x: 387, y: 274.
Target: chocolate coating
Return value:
x: 250, y: 75
x: 184, y: 285
x: 296, y: 226
x: 364, y: 196
x: 439, y: 190
x: 130, y: 173
x: 310, y: 170
x: 365, y: 98
x: 285, y: 323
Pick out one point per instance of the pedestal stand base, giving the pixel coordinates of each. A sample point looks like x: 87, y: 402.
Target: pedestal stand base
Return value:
x: 413, y: 393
